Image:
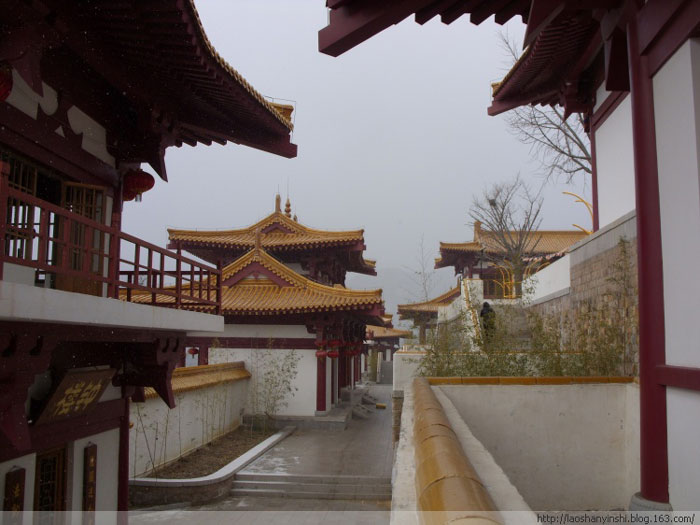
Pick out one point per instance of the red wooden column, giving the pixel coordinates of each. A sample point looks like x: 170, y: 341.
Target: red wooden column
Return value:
x: 123, y: 463
x: 652, y: 352
x: 321, y: 380
x: 321, y: 354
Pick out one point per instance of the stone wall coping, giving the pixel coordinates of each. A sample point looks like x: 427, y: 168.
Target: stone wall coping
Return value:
x: 560, y: 380
x: 602, y: 231
x: 224, y: 472
x: 550, y: 297
x: 447, y: 486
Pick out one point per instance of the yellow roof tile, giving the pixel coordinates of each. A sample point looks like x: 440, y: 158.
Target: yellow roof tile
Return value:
x: 431, y: 306
x: 194, y: 377
x: 382, y: 332
x: 273, y: 289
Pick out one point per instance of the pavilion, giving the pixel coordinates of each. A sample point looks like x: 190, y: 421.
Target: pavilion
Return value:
x: 479, y: 257
x: 282, y: 289
x: 425, y: 313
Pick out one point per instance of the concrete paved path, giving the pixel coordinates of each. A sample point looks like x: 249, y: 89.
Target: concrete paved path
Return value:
x: 363, y: 449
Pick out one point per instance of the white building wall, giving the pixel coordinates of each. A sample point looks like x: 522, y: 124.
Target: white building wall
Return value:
x: 303, y: 400
x: 107, y: 475
x: 615, y: 163
x: 565, y: 447
x: 28, y: 463
x: 552, y: 280
x: 677, y: 117
x: 161, y: 435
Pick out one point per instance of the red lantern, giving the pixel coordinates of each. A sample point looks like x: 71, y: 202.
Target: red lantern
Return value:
x: 321, y: 354
x: 193, y: 351
x: 333, y: 354
x: 128, y: 196
x: 5, y: 81
x: 321, y: 343
x: 137, y: 182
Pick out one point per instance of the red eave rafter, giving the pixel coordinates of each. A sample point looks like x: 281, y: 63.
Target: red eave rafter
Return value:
x: 351, y: 22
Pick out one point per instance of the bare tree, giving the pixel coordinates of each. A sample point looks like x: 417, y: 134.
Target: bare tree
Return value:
x: 561, y: 145
x: 423, y: 274
x: 509, y: 214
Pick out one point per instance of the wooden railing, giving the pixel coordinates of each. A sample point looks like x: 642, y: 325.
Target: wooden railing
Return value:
x: 74, y: 253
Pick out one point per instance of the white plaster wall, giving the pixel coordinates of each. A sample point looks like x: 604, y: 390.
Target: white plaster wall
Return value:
x: 18, y: 274
x: 302, y: 402
x: 683, y: 407
x: 28, y: 463
x: 615, y: 163
x: 405, y: 368
x: 564, y: 447
x: 555, y: 278
x: 107, y: 475
x: 675, y: 94
x: 677, y: 116
x: 160, y: 435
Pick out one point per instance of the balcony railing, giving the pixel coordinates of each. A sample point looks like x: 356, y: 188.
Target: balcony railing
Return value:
x: 73, y: 253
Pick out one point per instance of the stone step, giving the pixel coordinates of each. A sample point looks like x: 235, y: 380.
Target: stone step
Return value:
x: 316, y: 488
x: 300, y: 478
x: 364, y: 495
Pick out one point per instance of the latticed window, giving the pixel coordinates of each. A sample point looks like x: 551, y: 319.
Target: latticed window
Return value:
x: 49, y: 493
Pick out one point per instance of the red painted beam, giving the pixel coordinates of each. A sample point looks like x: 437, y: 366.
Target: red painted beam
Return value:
x: 352, y: 24
x: 652, y: 352
x: 679, y: 376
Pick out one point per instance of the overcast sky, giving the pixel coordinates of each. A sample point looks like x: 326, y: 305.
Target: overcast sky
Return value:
x: 393, y: 136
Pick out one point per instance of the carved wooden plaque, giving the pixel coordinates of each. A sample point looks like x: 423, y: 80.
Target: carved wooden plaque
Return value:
x: 76, y: 394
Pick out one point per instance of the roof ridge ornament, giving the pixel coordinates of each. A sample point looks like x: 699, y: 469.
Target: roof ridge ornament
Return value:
x: 258, y: 240
x: 288, y: 208
x: 278, y: 203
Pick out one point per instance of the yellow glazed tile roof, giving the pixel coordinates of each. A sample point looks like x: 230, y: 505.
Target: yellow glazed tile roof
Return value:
x: 432, y: 305
x: 272, y: 288
x: 298, y: 294
x: 280, y: 111
x: 542, y: 242
x: 382, y: 332
x: 284, y: 232
x: 194, y: 377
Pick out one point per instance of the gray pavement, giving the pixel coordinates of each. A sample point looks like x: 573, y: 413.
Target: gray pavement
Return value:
x: 363, y: 449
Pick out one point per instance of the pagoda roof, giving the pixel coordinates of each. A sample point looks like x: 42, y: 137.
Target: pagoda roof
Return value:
x: 259, y: 284
x: 279, y: 233
x: 409, y: 310
x: 541, y: 242
x: 383, y: 332
x: 157, y: 54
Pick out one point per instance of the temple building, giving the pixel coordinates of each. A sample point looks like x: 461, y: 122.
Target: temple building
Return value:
x: 87, y: 95
x: 282, y: 289
x: 323, y: 256
x: 425, y: 313
x: 633, y: 69
x: 478, y: 258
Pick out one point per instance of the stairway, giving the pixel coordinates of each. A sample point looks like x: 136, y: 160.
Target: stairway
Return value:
x: 312, y: 487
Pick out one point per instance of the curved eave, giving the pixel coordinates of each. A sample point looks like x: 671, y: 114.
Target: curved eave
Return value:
x: 559, y: 52
x: 351, y: 22
x: 157, y: 53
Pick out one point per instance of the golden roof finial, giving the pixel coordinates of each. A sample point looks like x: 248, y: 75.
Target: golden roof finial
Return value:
x: 278, y: 203
x: 288, y: 208
x: 295, y: 218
